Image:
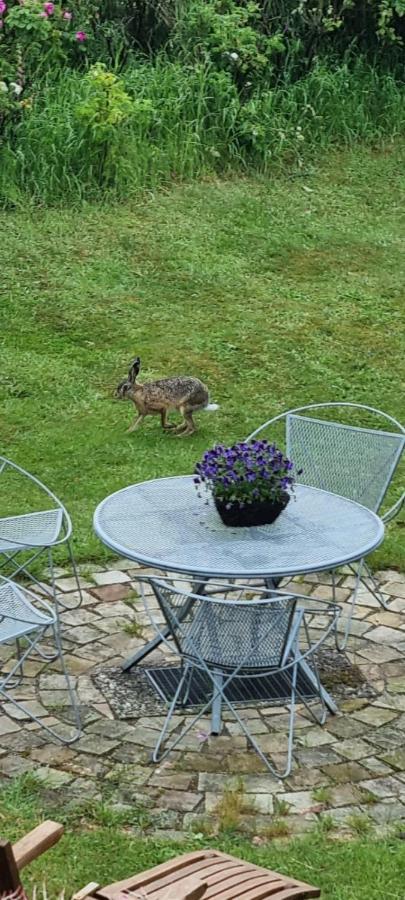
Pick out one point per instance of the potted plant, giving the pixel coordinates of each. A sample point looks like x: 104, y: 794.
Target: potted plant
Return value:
x: 250, y: 483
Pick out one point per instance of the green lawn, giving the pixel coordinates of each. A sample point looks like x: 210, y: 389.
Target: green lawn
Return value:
x: 276, y: 293
x: 99, y: 849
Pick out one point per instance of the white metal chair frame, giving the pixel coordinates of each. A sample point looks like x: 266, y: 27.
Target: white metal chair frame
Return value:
x: 10, y: 558
x: 221, y: 676
x: 362, y: 572
x: 26, y: 617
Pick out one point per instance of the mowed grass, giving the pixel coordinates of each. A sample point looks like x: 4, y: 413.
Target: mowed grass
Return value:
x: 98, y: 847
x: 275, y: 292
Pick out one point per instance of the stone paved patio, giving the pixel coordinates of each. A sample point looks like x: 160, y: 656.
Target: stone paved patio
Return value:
x: 351, y: 771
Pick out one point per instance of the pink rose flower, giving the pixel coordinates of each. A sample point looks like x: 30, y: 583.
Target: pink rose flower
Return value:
x: 81, y: 36
x: 49, y: 8
x: 3, y: 7
x: 67, y: 15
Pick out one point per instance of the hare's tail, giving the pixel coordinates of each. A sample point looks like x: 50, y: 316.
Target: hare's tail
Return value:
x: 211, y: 407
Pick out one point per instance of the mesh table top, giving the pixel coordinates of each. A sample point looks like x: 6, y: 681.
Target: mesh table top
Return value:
x: 164, y: 524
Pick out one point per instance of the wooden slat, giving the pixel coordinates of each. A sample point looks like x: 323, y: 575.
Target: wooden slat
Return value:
x: 86, y: 892
x: 36, y: 842
x: 210, y: 874
x: 311, y: 891
x: 163, y: 879
x: 9, y: 877
x: 189, y: 889
x: 227, y: 879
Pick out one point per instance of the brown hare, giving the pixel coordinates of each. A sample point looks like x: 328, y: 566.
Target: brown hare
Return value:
x: 157, y: 398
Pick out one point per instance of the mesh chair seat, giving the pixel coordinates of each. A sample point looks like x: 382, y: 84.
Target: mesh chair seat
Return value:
x: 23, y: 615
x: 18, y: 616
x: 30, y: 530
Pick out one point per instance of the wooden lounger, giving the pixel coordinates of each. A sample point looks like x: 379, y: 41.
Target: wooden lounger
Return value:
x: 209, y: 875
x: 203, y: 875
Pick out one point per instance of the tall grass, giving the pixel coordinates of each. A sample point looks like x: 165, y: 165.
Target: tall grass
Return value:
x: 198, y: 125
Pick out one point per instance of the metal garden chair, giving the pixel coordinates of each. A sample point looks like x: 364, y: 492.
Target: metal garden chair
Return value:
x: 25, y: 537
x: 26, y: 620
x: 351, y: 460
x: 241, y: 632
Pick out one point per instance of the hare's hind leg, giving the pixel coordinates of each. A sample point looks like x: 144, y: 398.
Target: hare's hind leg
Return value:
x: 188, y: 425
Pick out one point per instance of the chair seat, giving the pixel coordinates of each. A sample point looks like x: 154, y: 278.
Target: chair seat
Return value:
x: 227, y: 878
x: 17, y: 615
x: 36, y: 529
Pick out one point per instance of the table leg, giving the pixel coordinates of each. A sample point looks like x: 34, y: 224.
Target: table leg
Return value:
x: 131, y: 661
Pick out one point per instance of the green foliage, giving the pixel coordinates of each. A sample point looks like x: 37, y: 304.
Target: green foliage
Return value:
x: 107, y: 108
x: 227, y: 36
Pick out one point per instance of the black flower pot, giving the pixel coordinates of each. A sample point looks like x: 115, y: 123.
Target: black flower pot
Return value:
x: 263, y: 512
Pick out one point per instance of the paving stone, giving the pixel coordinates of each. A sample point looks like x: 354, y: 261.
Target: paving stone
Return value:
x: 346, y: 772
x: 83, y: 634
x: 177, y: 781
x: 298, y: 801
x: 99, y: 747
x: 353, y: 748
x: 52, y: 755
x: 343, y: 813
x: 396, y: 759
x: 256, y: 726
x: 373, y: 715
x: 53, y: 778
x: 376, y: 766
x: 13, y: 765
x: 135, y: 774
x: 392, y: 702
x: 324, y: 593
x: 384, y: 635
x: 87, y: 691
x: 303, y: 779
x: 316, y: 737
x: 385, y: 738
x: 317, y: 757
x: 183, y: 801
x: 69, y: 584
x: 7, y: 726
x: 395, y: 588
x: 251, y: 784
x: 80, y: 616
x: 386, y: 617
x: 112, y: 593
x: 54, y: 699
x: 111, y: 577
x: 396, y: 686
x: 343, y: 727
x: 389, y: 811
x: 379, y: 653
x: 382, y: 787
x: 344, y: 795
x: 51, y: 681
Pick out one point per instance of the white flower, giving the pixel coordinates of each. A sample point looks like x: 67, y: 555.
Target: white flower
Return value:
x: 3, y: 87
x: 17, y: 88
x: 234, y: 56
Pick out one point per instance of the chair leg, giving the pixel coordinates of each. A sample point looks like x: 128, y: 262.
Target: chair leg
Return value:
x: 156, y: 755
x: 7, y: 684
x: 216, y: 711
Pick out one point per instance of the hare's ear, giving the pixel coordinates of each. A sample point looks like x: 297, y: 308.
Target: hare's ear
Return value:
x: 134, y: 369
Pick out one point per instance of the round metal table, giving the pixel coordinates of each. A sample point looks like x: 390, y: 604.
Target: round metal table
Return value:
x: 164, y: 524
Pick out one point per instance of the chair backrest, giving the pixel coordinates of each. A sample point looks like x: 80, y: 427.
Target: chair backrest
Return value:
x: 357, y: 463
x: 228, y: 632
